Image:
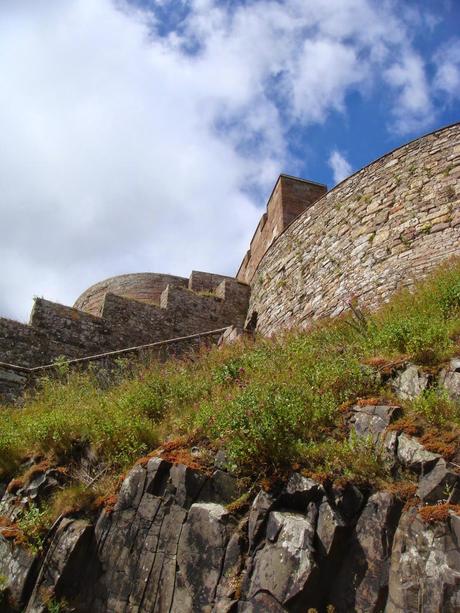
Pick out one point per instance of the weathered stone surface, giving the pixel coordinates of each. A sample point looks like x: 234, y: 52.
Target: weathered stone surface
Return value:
x: 166, y: 547
x: 413, y: 454
x: 449, y: 378
x: 200, y: 556
x: 441, y: 483
x: 348, y: 501
x: 221, y: 487
x: 299, y: 491
x: 261, y: 506
x: 410, y: 383
x: 425, y: 566
x: 385, y: 227
x: 362, y: 582
x: 262, y: 602
x: 330, y: 529
x: 121, y: 314
x: 284, y: 566
x: 372, y: 420
x: 290, y: 197
x: 18, y: 566
x: 69, y: 564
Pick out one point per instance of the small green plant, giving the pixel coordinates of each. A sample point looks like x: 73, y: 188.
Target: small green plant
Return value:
x: 229, y: 372
x: 3, y: 589
x: 61, y: 364
x: 33, y: 522
x: 54, y: 605
x: 436, y: 407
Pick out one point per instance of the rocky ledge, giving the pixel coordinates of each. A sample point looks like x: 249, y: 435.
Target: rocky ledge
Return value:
x: 172, y: 542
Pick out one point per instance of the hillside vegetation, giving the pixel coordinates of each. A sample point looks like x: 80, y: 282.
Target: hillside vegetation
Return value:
x: 271, y: 404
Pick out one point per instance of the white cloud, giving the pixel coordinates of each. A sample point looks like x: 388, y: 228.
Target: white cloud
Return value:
x: 124, y: 151
x: 447, y: 61
x: 413, y: 109
x: 341, y: 168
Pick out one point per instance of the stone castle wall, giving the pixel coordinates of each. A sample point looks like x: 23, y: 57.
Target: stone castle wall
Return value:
x: 289, y: 198
x: 143, y: 287
x: 56, y: 330
x: 382, y: 228
x: 312, y: 253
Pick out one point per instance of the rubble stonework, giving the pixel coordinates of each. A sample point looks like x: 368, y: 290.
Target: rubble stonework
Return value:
x: 381, y: 229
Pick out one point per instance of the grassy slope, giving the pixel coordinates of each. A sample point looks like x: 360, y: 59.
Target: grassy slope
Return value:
x: 272, y: 404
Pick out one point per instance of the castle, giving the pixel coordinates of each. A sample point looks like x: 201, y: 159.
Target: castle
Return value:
x: 313, y: 252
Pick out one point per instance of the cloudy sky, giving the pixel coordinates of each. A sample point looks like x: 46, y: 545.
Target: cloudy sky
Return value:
x: 147, y: 135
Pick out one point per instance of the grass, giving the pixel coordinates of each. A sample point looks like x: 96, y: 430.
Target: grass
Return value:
x: 270, y: 403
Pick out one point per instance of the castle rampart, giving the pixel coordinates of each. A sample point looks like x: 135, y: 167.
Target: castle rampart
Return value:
x: 56, y: 330
x: 290, y: 197
x: 312, y: 253
x: 382, y: 228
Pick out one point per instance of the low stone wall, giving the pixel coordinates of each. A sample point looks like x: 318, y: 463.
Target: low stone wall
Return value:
x: 56, y: 330
x: 383, y: 228
x: 144, y: 287
x: 27, y: 346
x: 14, y: 379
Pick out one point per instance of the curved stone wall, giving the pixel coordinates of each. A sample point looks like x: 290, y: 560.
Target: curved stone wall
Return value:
x: 145, y: 287
x: 380, y: 229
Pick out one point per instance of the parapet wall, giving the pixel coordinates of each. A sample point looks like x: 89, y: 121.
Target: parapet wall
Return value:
x: 382, y: 228
x: 57, y: 330
x: 290, y: 197
x: 143, y: 287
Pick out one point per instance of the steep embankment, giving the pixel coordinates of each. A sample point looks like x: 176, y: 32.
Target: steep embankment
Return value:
x: 316, y: 470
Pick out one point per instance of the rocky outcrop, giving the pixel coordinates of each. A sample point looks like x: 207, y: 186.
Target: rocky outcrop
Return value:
x: 171, y: 544
x: 425, y: 566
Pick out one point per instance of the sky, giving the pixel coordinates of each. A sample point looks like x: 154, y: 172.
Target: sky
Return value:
x: 147, y: 135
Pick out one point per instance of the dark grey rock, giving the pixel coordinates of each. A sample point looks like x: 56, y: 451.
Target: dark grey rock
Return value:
x: 200, y: 556
x: 348, y: 501
x: 330, y: 529
x: 262, y: 602
x: 425, y: 566
x: 19, y: 567
x: 221, y: 488
x: 441, y: 483
x: 449, y: 378
x: 132, y: 488
x: 68, y: 567
x: 286, y: 564
x: 184, y: 485
x: 300, y: 491
x: 414, y: 456
x: 42, y: 486
x: 221, y: 460
x: 372, y: 420
x: 409, y: 383
x: 261, y: 506
x: 362, y: 583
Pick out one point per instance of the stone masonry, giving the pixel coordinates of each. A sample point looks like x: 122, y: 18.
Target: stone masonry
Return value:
x: 118, y: 320
x: 311, y: 255
x: 289, y: 198
x: 381, y: 229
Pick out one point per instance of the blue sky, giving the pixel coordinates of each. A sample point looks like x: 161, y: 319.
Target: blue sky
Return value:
x: 146, y: 135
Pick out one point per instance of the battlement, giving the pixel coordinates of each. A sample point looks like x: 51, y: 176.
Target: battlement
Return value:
x: 113, y: 321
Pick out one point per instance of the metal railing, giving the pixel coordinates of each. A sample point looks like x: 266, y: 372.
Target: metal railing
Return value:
x: 115, y: 353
